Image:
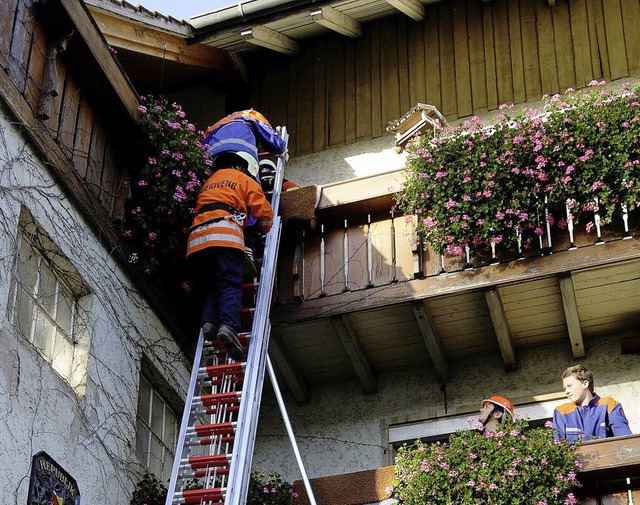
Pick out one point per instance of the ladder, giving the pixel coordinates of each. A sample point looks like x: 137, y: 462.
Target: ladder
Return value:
x: 215, y: 444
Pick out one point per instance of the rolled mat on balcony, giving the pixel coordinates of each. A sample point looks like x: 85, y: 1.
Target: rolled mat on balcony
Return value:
x: 298, y: 206
x: 358, y: 488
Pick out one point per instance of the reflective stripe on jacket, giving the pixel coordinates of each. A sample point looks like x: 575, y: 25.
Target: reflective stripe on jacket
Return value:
x: 601, y: 418
x: 219, y: 227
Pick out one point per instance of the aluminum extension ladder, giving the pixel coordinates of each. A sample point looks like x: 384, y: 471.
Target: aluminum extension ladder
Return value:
x: 215, y: 445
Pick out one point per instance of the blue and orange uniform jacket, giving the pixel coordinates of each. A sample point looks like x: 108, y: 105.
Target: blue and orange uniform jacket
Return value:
x: 219, y: 227
x: 603, y: 417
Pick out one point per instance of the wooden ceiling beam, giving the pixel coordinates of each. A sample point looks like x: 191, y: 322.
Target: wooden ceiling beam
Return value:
x: 349, y: 340
x: 124, y: 34
x: 570, y: 307
x: 412, y: 8
x: 501, y: 327
x: 296, y: 383
x: 431, y: 340
x: 270, y: 39
x: 335, y: 20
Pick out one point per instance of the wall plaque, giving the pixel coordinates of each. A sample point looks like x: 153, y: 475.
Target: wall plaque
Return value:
x: 50, y: 484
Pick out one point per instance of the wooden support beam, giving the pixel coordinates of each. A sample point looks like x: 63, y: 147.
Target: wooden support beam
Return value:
x: 113, y: 74
x: 335, y: 20
x: 296, y: 383
x: 412, y: 8
x: 126, y: 34
x: 571, y: 315
x: 431, y: 340
x: 349, y: 340
x: 464, y: 281
x: 265, y: 37
x: 501, y: 327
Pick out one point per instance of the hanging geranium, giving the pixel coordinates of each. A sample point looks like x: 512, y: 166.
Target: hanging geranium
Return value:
x: 509, y: 182
x: 164, y: 186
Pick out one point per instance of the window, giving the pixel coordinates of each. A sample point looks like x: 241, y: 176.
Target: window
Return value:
x: 156, y: 431
x: 48, y: 305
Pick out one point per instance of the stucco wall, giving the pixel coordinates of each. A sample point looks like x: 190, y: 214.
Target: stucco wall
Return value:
x: 343, y: 430
x: 92, y: 438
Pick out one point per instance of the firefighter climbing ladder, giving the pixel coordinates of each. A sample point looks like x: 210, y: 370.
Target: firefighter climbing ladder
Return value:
x: 215, y: 445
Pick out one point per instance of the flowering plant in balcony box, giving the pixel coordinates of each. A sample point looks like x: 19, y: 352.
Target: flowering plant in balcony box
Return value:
x: 476, y: 185
x: 164, y: 186
x: 519, y: 465
x: 149, y: 491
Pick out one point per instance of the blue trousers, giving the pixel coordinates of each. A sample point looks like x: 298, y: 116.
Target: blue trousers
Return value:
x: 217, y: 273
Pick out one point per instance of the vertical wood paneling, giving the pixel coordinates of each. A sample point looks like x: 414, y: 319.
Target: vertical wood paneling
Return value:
x: 279, y: 89
x: 490, y: 56
x: 350, y: 91
x: 109, y: 177
x: 333, y: 261
x: 432, y: 61
x: 530, y: 62
x: 417, y: 73
x: 390, y: 89
x: 37, y: 59
x: 403, y: 64
x: 599, y: 52
x: 376, y: 86
x: 448, y: 85
x: 504, y: 76
x: 461, y: 59
x: 382, y: 239
x: 357, y: 257
x: 70, y: 105
x: 477, y: 67
x: 311, y: 281
x: 581, y: 43
x: 96, y: 158
x: 292, y: 108
x: 336, y: 85
x: 515, y: 39
x: 55, y: 105
x: 364, y: 105
x: 82, y: 142
x: 615, y: 39
x: 304, y: 132
x: 546, y: 48
x: 319, y: 96
x: 8, y: 10
x: 465, y: 58
x: 630, y: 19
x: 563, y: 47
x: 20, y: 43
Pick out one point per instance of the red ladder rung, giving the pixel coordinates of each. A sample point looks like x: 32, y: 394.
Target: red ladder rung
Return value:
x: 209, y: 430
x: 210, y: 441
x: 219, y: 399
x: 196, y: 496
x: 209, y: 461
x: 215, y: 371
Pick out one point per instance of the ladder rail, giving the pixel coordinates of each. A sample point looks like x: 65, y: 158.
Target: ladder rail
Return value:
x: 186, y: 418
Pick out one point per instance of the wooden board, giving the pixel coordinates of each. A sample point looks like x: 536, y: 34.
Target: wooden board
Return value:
x: 364, y: 100
x: 336, y: 92
x: 461, y: 58
x: 516, y: 47
x: 615, y: 39
x: 581, y: 42
x: 448, y: 84
x: 563, y: 47
x: 546, y: 48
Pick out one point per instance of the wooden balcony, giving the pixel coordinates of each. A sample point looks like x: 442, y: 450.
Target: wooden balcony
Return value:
x: 356, y: 297
x: 608, y: 463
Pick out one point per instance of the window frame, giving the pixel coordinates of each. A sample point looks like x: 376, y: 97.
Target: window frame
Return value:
x: 47, y: 261
x: 150, y: 433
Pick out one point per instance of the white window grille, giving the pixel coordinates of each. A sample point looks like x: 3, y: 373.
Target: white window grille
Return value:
x: 156, y: 431
x: 49, y: 306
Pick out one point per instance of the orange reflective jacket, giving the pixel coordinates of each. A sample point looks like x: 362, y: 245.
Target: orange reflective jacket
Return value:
x: 223, y: 227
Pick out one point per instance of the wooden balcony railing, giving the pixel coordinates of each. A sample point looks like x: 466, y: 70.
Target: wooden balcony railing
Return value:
x: 610, y: 476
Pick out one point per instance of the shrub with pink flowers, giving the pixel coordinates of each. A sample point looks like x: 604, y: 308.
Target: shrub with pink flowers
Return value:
x: 506, y: 183
x: 164, y: 186
x: 517, y: 466
x: 269, y: 489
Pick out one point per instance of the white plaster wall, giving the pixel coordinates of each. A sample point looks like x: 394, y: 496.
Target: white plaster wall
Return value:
x: 93, y: 438
x: 343, y: 430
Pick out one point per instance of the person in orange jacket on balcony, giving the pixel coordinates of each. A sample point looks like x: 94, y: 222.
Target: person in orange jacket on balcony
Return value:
x: 495, y: 411
x: 587, y: 415
x: 215, y: 247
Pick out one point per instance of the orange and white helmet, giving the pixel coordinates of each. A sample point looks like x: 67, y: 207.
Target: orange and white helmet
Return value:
x: 500, y: 401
